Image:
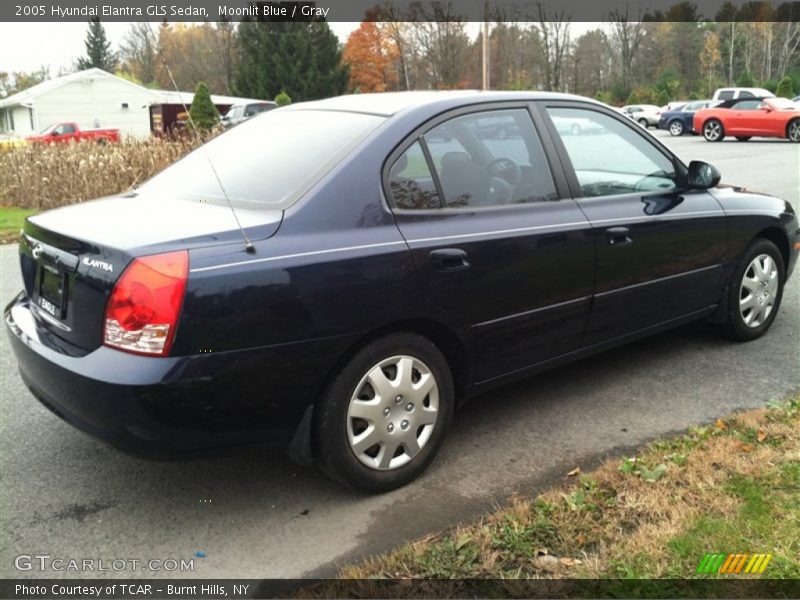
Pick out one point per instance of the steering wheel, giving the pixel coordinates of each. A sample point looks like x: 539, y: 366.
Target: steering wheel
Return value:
x: 504, y: 177
x: 505, y: 169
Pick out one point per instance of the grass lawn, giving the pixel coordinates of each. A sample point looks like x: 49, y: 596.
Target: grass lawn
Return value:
x: 731, y: 487
x: 11, y: 222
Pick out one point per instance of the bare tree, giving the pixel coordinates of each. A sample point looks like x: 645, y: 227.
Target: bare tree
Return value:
x: 555, y: 37
x: 626, y: 38
x: 138, y: 53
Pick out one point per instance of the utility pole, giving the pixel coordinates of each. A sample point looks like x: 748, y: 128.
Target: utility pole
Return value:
x: 485, y: 57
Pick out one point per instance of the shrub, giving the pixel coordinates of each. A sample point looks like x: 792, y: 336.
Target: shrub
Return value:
x: 784, y: 88
x: 203, y: 112
x: 745, y: 80
x: 283, y: 99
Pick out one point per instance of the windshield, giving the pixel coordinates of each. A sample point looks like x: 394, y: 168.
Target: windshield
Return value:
x: 268, y: 161
x: 48, y: 129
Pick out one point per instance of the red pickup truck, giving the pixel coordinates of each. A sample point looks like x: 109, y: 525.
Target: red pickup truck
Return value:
x: 65, y: 132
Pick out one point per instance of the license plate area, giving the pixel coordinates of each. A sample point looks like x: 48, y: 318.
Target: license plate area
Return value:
x: 52, y: 292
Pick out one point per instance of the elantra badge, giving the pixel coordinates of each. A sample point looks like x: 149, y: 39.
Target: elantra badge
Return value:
x: 96, y: 264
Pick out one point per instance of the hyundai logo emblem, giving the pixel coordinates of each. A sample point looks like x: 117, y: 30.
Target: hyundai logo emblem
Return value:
x: 37, y: 251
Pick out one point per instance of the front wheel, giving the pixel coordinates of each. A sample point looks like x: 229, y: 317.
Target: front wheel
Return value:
x: 793, y: 131
x: 755, y: 291
x: 383, y: 418
x: 643, y: 123
x: 676, y: 128
x: 713, y: 131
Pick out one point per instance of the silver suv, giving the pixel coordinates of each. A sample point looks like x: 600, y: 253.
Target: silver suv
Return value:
x: 239, y: 113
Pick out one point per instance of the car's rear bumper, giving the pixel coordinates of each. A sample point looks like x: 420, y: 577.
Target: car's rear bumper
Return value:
x: 162, y: 407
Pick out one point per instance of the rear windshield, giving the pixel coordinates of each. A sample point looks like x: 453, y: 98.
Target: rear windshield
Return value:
x: 266, y: 162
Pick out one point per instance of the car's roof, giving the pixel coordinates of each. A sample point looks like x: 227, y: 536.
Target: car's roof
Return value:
x: 391, y: 103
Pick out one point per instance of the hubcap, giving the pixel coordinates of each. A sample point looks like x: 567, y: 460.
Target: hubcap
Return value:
x: 392, y: 413
x: 794, y: 132
x: 676, y: 128
x: 712, y: 130
x: 758, y: 291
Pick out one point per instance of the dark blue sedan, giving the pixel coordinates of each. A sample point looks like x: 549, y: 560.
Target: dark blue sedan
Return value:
x: 338, y: 276
x: 679, y: 121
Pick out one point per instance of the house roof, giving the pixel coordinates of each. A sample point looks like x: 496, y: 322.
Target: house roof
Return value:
x: 171, y: 97
x: 29, y: 95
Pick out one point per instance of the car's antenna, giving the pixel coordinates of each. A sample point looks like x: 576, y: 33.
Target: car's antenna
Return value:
x: 248, y: 245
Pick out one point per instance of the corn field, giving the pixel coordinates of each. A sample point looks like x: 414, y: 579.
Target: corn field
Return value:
x: 41, y: 177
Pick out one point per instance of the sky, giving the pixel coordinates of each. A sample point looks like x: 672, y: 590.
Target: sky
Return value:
x: 28, y: 46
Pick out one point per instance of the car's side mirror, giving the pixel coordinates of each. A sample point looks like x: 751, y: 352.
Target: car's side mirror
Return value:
x: 703, y: 175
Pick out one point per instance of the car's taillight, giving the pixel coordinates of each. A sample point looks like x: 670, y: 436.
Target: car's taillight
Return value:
x: 143, y: 310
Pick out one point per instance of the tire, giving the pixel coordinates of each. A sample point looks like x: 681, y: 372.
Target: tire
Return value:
x: 743, y: 138
x: 713, y: 131
x: 676, y: 128
x: 347, y: 418
x: 793, y: 131
x: 643, y: 123
x: 755, y: 291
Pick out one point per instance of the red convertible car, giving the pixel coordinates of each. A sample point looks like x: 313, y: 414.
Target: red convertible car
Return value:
x: 744, y: 118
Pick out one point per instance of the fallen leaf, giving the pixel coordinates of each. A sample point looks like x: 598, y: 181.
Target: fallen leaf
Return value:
x: 566, y: 561
x: 575, y: 471
x: 762, y: 435
x: 720, y: 424
x: 580, y: 540
x: 746, y: 447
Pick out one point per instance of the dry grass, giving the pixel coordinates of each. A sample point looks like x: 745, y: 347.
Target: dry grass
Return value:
x: 38, y: 176
x: 735, y: 483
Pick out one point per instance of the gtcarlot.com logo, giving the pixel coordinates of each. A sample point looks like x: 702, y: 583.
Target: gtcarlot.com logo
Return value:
x: 745, y: 563
x: 45, y: 562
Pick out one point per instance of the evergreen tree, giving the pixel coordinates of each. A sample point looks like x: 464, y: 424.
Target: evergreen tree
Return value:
x: 98, y: 49
x: 302, y: 59
x: 785, y: 88
x: 203, y: 113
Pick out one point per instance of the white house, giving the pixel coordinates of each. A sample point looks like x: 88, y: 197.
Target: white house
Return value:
x: 92, y: 98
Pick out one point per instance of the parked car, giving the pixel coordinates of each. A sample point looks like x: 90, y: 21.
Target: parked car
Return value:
x: 238, y: 113
x: 681, y: 120
x: 647, y: 115
x: 734, y: 93
x: 674, y: 105
x: 379, y: 280
x: 745, y: 118
x: 60, y: 133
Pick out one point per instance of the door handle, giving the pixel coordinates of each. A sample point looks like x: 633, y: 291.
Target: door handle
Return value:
x: 449, y: 259
x: 619, y: 236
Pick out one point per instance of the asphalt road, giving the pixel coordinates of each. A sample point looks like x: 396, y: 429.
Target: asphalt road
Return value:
x: 255, y: 514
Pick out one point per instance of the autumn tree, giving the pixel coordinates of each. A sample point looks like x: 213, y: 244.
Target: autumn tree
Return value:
x: 371, y: 55
x: 710, y: 59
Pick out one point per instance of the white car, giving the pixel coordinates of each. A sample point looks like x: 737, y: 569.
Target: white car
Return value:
x: 647, y: 115
x: 732, y: 93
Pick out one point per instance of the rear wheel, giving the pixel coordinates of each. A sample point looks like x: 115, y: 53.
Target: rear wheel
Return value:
x: 676, y: 128
x: 713, y: 131
x: 382, y: 420
x: 743, y: 138
x: 643, y: 123
x: 793, y: 131
x: 755, y: 291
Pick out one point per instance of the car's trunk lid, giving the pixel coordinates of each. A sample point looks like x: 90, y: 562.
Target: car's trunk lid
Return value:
x: 72, y: 257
